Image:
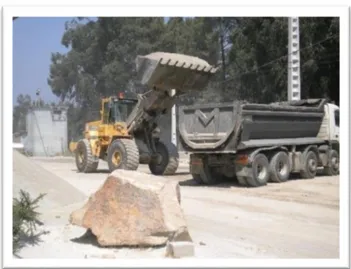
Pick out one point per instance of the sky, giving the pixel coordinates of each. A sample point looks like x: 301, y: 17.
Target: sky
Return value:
x: 34, y: 39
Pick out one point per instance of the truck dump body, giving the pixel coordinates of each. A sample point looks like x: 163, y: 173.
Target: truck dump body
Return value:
x: 237, y: 125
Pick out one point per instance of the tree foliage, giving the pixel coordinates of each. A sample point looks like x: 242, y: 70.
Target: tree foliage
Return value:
x: 252, y: 54
x: 25, y: 218
x: 24, y: 102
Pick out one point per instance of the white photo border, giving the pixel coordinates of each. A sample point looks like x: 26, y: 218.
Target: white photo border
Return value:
x: 169, y: 11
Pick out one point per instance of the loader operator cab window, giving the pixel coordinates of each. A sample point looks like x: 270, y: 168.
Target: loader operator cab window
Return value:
x: 121, y: 109
x: 106, y: 113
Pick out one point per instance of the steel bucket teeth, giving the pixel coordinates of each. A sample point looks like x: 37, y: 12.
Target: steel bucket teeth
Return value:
x: 164, y: 71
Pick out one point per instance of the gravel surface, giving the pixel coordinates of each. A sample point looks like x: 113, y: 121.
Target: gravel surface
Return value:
x: 295, y: 219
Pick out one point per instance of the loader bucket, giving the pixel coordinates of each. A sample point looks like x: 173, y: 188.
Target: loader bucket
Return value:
x: 165, y: 71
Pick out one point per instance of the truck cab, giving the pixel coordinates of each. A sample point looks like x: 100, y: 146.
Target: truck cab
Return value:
x: 334, y: 121
x: 329, y: 129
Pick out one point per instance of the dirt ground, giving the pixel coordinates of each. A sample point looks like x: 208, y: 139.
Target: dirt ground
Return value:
x: 296, y: 219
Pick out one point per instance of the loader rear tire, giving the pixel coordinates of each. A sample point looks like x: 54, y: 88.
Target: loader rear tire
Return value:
x: 86, y: 162
x: 169, y: 159
x: 123, y: 154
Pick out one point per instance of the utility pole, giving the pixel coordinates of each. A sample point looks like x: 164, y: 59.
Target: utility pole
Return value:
x: 294, y: 80
x: 174, y: 123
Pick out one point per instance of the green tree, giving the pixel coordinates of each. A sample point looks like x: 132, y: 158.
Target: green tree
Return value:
x: 25, y: 219
x: 250, y: 52
x: 24, y: 103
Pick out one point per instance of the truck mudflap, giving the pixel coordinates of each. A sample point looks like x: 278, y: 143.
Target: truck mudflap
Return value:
x: 165, y: 71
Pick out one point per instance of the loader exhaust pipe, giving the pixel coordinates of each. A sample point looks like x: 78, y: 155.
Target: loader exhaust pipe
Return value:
x: 163, y: 71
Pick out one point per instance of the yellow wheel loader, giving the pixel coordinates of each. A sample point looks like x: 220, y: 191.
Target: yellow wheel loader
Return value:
x: 127, y: 133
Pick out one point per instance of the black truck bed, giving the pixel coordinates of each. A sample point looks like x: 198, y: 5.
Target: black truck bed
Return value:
x: 237, y: 125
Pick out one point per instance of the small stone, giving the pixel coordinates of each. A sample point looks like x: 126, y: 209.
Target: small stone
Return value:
x: 180, y: 249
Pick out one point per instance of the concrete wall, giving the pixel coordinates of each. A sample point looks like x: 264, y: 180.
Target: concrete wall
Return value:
x: 47, y: 132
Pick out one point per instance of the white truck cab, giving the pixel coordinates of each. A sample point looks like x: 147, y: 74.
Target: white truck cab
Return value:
x: 329, y: 129
x: 334, y: 122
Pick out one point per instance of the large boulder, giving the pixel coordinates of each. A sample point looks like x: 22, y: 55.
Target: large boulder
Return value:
x: 134, y: 209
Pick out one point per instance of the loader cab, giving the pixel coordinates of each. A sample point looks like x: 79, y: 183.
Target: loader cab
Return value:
x: 117, y: 108
x: 334, y: 122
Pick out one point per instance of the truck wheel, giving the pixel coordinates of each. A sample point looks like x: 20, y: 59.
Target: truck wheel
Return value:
x: 260, y: 171
x: 123, y: 154
x: 333, y: 164
x: 208, y: 176
x: 280, y: 167
x: 86, y: 162
x: 309, y: 165
x: 168, y: 159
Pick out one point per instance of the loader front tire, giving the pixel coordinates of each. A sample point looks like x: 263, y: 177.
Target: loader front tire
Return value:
x: 123, y: 154
x: 168, y: 161
x: 86, y: 162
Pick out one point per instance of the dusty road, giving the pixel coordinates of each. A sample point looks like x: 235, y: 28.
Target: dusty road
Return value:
x: 296, y: 219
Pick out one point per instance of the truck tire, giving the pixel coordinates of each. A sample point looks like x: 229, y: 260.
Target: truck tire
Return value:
x: 280, y: 167
x: 260, y: 171
x: 332, y: 169
x: 208, y: 176
x: 86, y: 162
x: 169, y: 162
x: 310, y: 165
x: 123, y: 154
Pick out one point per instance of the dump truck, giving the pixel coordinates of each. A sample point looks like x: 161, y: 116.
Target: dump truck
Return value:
x: 127, y: 133
x: 259, y: 143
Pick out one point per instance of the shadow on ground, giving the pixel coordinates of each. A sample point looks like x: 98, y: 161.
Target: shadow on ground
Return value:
x: 221, y: 184
x: 32, y: 240
x: 88, y: 238
x: 229, y: 183
x: 106, y: 171
x: 99, y: 171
